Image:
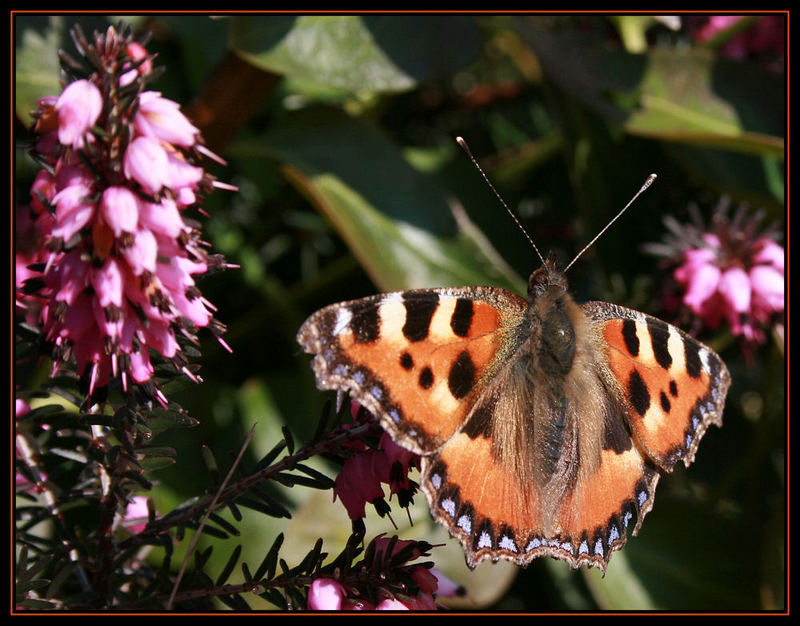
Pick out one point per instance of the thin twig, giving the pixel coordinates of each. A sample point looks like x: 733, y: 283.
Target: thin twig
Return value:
x: 208, y: 512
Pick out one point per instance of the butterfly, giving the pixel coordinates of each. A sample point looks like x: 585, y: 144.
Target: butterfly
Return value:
x: 543, y: 426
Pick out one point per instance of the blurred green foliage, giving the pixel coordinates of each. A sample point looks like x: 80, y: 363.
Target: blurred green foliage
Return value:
x: 350, y: 183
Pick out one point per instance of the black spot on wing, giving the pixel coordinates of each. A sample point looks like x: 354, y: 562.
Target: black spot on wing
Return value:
x: 426, y: 378
x: 406, y: 361
x: 479, y: 423
x: 365, y: 322
x: 461, y: 321
x: 638, y: 394
x: 691, y: 351
x: 420, y: 308
x: 665, y: 403
x: 673, y: 388
x: 630, y: 337
x: 659, y: 337
x: 462, y: 376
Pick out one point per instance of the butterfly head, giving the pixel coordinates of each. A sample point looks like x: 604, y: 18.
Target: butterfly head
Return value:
x: 548, y: 278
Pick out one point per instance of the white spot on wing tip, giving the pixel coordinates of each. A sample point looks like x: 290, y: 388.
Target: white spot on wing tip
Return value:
x: 704, y: 357
x: 343, y: 317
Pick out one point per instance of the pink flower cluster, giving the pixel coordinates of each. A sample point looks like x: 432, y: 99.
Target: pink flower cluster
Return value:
x: 748, y: 293
x: 360, y: 479
x: 119, y: 258
x: 328, y: 594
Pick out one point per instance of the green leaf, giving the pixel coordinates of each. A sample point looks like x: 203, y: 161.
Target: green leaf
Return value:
x: 160, y: 420
x: 685, y: 95
x: 36, y: 66
x: 355, y: 53
x: 397, y: 221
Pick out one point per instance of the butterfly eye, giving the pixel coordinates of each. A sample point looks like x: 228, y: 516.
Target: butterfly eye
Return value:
x: 558, y: 343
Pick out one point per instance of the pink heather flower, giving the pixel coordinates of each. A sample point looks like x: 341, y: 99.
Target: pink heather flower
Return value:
x: 142, y: 254
x: 161, y: 119
x: 357, y: 484
x: 146, y: 162
x: 73, y: 210
x: 359, y: 481
x: 767, y: 284
x: 731, y: 274
x: 136, y: 52
x: 78, y: 107
x: 390, y: 604
x: 136, y: 514
x: 162, y: 218
x: 120, y: 209
x: 325, y: 594
x: 348, y: 594
x: 21, y: 408
x: 119, y: 259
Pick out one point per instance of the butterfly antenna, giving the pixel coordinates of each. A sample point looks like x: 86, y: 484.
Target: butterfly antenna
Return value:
x: 646, y: 184
x: 466, y: 149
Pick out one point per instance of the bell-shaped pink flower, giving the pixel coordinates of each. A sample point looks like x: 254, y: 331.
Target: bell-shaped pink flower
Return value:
x: 78, y: 107
x: 143, y: 253
x: 136, y: 514
x: 734, y: 273
x: 114, y: 276
x: 769, y: 253
x: 701, y: 286
x: 145, y: 162
x: 108, y: 283
x: 734, y: 285
x: 768, y: 286
x: 162, y: 218
x: 161, y: 119
x: 137, y: 52
x: 73, y: 211
x: 120, y: 209
x: 391, y: 604
x: 325, y: 594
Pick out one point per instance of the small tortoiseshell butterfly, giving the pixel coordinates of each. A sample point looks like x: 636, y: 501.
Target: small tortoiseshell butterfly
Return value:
x: 543, y: 425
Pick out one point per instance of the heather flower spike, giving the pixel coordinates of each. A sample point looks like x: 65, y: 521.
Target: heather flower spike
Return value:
x: 386, y: 580
x: 117, y: 268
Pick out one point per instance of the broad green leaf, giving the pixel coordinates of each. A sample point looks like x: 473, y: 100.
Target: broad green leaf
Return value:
x: 356, y: 53
x: 36, y: 62
x: 671, y: 94
x: 400, y: 225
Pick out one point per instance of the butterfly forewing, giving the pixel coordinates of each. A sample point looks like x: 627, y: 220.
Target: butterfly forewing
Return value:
x: 672, y: 385
x: 414, y: 359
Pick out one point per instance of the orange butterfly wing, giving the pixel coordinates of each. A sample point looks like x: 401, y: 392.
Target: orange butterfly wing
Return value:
x: 436, y: 346
x: 674, y: 385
